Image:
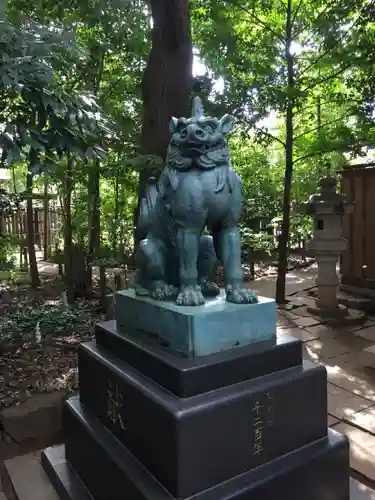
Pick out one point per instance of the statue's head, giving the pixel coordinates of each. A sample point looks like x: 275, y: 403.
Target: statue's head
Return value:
x: 199, y: 134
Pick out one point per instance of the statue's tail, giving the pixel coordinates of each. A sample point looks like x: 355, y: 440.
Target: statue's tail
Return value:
x: 147, y: 208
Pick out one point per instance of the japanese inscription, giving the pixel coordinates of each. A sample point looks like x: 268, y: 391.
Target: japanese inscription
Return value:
x: 262, y: 417
x: 115, y: 404
x: 258, y: 429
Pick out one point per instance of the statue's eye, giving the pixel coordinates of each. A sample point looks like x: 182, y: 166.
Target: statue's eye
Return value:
x: 209, y: 129
x: 180, y: 126
x: 183, y: 132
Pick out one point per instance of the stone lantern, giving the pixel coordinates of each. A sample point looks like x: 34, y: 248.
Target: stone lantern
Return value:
x: 327, y: 209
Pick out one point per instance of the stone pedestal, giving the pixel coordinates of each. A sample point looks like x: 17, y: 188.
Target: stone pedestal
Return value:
x: 195, y: 331
x: 327, y: 283
x: 246, y: 423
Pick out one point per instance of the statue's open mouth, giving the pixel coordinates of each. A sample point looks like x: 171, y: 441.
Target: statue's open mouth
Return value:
x: 194, y: 148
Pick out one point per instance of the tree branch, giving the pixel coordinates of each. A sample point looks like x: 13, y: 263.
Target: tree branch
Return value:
x: 327, y: 78
x: 333, y: 3
x: 310, y: 155
x: 312, y: 105
x: 267, y: 134
x: 296, y: 12
x: 338, y: 40
x: 111, y: 90
x: 331, y: 150
x: 320, y: 57
x: 271, y: 136
x: 265, y: 25
x: 319, y: 127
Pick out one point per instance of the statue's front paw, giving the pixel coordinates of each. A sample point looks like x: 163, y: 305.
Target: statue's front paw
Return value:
x: 239, y: 295
x: 164, y: 292
x: 190, y: 296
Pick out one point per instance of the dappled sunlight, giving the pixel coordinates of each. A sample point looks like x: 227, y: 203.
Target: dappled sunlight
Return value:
x: 311, y: 354
x: 361, y: 452
x: 349, y: 377
x: 347, y: 412
x: 342, y: 404
x: 53, y: 302
x: 364, y: 419
x: 362, y: 487
x: 359, y: 491
x: 292, y: 277
x: 329, y: 347
x: 47, y: 267
x: 67, y: 380
x: 339, y: 356
x: 362, y: 449
x: 296, y: 281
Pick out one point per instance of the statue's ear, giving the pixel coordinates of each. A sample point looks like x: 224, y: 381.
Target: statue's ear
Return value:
x: 226, y: 124
x: 173, y: 125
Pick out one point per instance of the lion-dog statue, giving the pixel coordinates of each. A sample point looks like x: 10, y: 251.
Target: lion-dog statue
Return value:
x: 197, y: 189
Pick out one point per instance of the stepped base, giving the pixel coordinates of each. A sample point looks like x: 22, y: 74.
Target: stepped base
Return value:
x: 186, y: 377
x: 110, y: 472
x: 24, y: 470
x: 255, y: 435
x: 191, y: 444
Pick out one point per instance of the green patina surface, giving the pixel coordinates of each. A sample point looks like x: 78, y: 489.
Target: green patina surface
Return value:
x: 197, y: 190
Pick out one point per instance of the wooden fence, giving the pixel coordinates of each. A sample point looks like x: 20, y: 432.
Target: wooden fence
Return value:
x: 46, y: 225
x: 358, y: 261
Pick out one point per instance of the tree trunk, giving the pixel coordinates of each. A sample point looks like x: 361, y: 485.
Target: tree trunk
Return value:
x: 102, y: 282
x: 34, y: 273
x: 285, y: 226
x: 117, y: 210
x: 14, y: 179
x: 46, y: 222
x: 318, y: 116
x: 167, y: 81
x: 94, y: 178
x: 94, y: 198
x: 68, y: 232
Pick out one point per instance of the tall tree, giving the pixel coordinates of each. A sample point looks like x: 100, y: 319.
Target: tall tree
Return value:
x: 167, y: 80
x: 361, y: 79
x: 113, y: 36
x: 282, y: 56
x: 45, y: 122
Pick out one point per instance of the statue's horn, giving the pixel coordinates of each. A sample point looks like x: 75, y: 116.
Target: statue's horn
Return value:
x: 197, y: 108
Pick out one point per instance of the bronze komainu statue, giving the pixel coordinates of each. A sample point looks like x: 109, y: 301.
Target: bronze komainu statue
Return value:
x: 197, y: 189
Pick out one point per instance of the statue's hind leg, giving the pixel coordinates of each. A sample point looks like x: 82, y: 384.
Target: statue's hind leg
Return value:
x: 151, y: 271
x: 207, y: 264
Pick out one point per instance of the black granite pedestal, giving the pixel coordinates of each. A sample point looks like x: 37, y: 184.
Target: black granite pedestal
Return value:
x: 247, y: 424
